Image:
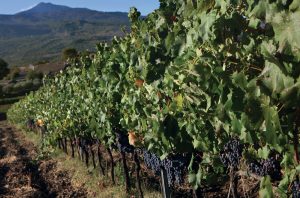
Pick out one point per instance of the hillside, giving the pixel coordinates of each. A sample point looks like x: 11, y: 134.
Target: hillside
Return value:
x: 43, y: 31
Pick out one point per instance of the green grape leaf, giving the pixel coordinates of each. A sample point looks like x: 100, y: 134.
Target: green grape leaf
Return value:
x: 266, y: 190
x: 264, y: 152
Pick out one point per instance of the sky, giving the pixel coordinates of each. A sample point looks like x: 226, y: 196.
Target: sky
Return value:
x: 144, y: 6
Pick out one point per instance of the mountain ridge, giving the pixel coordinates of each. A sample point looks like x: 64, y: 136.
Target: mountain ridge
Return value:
x: 46, y: 29
x: 43, y: 7
x: 49, y: 11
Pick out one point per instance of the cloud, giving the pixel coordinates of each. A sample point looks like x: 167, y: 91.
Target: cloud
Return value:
x: 28, y: 8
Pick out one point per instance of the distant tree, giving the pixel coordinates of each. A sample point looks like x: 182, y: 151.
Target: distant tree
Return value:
x: 37, y: 82
x: 69, y: 53
x: 41, y: 62
x: 1, y: 92
x: 7, y: 89
x: 31, y: 75
x: 3, y: 68
x: 85, y: 53
x: 13, y: 73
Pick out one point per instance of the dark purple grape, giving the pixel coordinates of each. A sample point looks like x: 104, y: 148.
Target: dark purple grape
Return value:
x: 123, y: 143
x: 231, y: 153
x: 256, y: 168
x: 152, y: 161
x: 270, y: 166
x: 176, y: 167
x: 296, y: 189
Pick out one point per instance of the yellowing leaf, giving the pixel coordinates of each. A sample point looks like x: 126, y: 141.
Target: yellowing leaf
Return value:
x: 179, y: 100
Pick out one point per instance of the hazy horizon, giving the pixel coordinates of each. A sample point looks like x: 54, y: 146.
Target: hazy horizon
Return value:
x: 145, y: 7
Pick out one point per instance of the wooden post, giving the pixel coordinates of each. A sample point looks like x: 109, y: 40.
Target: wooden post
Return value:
x: 59, y: 143
x: 112, y: 166
x: 72, y: 147
x: 100, y: 160
x: 233, y: 183
x: 81, y: 153
x: 126, y: 174
x: 66, y: 145
x: 138, y: 178
x: 93, y: 156
x: 164, y: 184
x: 197, y: 193
x: 86, y: 151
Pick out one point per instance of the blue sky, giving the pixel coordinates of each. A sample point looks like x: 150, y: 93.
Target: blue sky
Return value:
x: 144, y: 6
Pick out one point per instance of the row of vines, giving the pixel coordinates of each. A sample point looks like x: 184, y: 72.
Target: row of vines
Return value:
x: 210, y: 87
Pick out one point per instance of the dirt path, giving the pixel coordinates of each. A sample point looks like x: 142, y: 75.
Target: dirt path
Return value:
x: 21, y: 176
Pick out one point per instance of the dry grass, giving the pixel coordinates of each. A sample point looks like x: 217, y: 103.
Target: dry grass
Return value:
x: 8, y: 160
x: 50, y: 67
x: 97, y: 186
x: 89, y: 178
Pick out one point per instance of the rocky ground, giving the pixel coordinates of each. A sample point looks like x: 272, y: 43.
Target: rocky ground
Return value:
x: 22, y: 176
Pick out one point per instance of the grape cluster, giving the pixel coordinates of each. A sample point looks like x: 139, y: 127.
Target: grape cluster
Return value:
x: 270, y: 166
x: 176, y: 166
x: 123, y: 143
x: 152, y: 161
x: 83, y: 143
x: 86, y: 143
x: 231, y: 153
x: 256, y: 167
x: 296, y: 189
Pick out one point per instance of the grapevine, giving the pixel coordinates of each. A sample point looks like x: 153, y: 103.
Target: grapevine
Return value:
x: 188, y: 77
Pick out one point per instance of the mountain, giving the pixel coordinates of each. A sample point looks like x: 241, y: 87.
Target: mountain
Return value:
x: 46, y: 8
x: 42, y: 32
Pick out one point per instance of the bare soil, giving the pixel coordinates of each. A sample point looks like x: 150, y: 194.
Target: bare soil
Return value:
x: 22, y: 176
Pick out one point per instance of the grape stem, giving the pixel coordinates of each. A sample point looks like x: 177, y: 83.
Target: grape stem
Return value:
x: 247, y: 174
x: 197, y: 193
x: 65, y: 145
x: 100, y: 159
x: 138, y: 178
x: 112, y: 166
x: 243, y: 185
x: 86, y: 152
x: 59, y: 144
x: 233, y: 184
x: 244, y: 173
x: 72, y: 141
x: 93, y: 156
x: 125, y: 169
